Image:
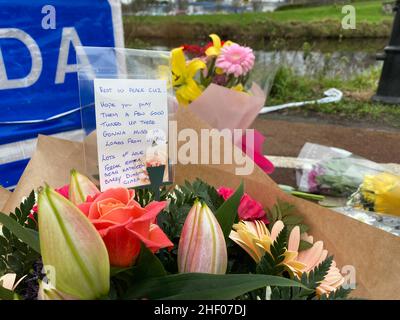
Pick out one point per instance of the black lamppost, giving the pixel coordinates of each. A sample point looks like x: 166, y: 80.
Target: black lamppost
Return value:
x: 389, y: 83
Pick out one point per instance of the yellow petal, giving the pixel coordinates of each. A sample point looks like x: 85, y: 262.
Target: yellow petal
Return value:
x: 164, y: 73
x: 219, y: 71
x: 216, y: 41
x: 262, y: 229
x: 192, y: 90
x: 178, y: 61
x: 295, y: 267
x: 194, y: 66
x: 290, y: 256
x: 239, y: 87
x: 253, y: 253
x: 212, y: 51
x: 180, y: 97
x: 228, y: 43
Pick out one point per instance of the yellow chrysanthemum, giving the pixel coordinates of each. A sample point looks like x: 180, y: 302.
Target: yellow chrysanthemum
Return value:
x: 182, y: 76
x: 383, y: 191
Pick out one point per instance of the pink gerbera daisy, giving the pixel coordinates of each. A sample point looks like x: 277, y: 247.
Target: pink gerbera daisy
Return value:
x: 235, y: 59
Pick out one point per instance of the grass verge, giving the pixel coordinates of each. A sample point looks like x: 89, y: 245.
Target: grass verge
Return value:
x: 310, y: 22
x: 355, y: 106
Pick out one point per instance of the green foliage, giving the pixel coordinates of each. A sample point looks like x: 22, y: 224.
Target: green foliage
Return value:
x: 304, y: 245
x: 355, y: 105
x: 285, y: 212
x: 271, y: 263
x: 148, y: 279
x: 188, y: 286
x: 6, y: 294
x: 336, y: 178
x: 239, y: 261
x: 171, y: 220
x: 181, y: 201
x: 227, y: 213
x: 204, y: 192
x: 144, y: 195
x: 16, y: 255
x: 147, y: 266
x: 310, y: 281
x: 339, y: 294
x: 26, y: 235
x: 21, y: 214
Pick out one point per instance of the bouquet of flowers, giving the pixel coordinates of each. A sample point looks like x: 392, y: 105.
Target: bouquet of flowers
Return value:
x: 332, y: 171
x: 214, y: 83
x: 338, y: 172
x: 79, y: 243
x: 227, y: 64
x: 367, y: 268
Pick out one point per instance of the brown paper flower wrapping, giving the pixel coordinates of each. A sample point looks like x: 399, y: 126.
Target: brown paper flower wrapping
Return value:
x: 374, y: 253
x: 4, y: 196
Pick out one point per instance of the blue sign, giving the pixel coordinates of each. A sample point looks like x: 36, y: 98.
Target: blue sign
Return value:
x: 38, y: 80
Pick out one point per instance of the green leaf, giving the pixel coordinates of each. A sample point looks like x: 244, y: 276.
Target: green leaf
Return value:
x: 295, y: 220
x: 3, y: 265
x: 28, y: 236
x: 316, y: 276
x: 339, y: 294
x: 6, y: 294
x: 148, y: 265
x: 292, y: 293
x: 228, y: 211
x: 271, y: 263
x: 6, y: 233
x: 310, y: 281
x: 117, y: 270
x: 304, y: 245
x: 190, y: 286
x: 15, y: 264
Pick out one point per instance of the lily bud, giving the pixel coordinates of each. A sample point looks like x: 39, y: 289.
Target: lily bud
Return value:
x: 48, y: 292
x: 202, y: 246
x: 80, y: 188
x: 72, y: 248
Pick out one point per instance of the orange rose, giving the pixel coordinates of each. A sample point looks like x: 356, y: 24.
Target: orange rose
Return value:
x: 124, y: 224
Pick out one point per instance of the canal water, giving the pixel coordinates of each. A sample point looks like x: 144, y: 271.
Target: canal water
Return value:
x: 333, y: 58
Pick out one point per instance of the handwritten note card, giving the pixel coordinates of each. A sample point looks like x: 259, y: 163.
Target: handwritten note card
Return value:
x: 132, y: 130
